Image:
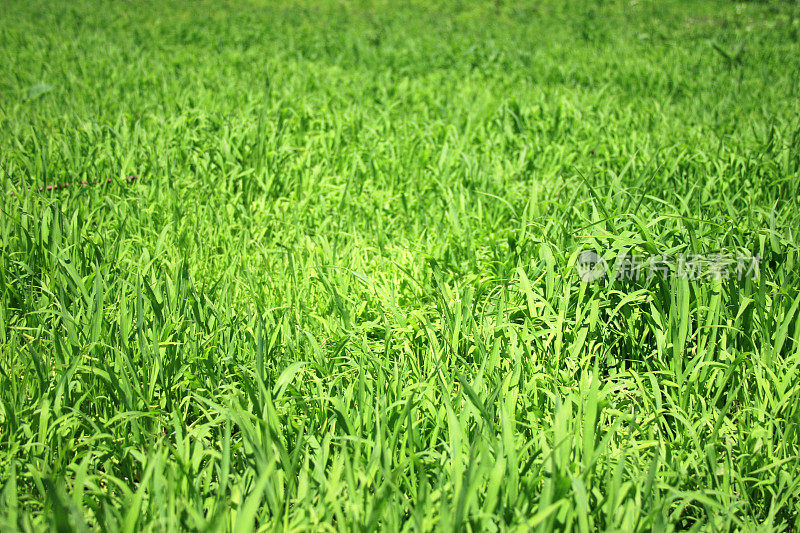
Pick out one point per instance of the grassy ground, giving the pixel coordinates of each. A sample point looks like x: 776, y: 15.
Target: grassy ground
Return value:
x: 342, y: 293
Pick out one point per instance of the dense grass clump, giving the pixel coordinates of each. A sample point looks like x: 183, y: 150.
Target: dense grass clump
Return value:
x: 343, y: 292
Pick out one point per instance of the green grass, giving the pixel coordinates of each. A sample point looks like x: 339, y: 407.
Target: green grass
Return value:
x: 342, y: 293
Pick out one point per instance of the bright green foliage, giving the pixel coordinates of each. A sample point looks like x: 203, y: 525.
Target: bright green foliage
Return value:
x: 342, y: 294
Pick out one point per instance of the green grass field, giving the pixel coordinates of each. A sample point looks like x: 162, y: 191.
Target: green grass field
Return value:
x: 344, y: 291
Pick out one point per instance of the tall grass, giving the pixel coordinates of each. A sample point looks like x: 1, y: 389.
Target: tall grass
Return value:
x: 342, y: 293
